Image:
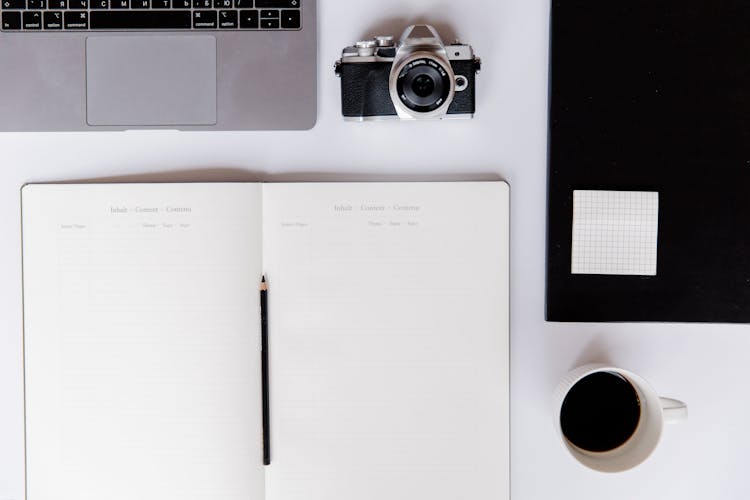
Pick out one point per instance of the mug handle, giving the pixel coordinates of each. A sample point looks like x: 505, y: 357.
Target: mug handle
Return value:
x: 673, y: 410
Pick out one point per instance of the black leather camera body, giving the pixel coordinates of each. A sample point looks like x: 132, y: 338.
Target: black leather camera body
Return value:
x: 418, y: 78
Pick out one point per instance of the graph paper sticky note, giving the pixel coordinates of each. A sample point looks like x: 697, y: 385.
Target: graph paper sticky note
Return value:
x: 615, y: 232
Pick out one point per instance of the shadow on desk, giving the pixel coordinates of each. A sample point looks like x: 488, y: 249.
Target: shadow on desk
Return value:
x: 396, y: 25
x: 219, y: 174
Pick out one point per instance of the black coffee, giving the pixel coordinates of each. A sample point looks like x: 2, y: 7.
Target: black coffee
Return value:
x: 600, y: 412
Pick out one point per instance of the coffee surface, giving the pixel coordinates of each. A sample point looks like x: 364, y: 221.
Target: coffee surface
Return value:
x: 600, y: 412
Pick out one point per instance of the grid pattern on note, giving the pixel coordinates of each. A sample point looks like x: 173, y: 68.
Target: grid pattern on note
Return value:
x: 615, y: 232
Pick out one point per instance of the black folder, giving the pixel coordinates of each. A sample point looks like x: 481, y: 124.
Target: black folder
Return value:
x: 653, y: 96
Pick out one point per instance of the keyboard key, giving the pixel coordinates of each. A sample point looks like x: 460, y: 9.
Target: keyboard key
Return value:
x: 227, y: 19
x: 140, y: 20
x: 266, y: 14
x: 58, y: 4
x: 78, y: 4
x: 14, y: 4
x: 32, y: 20
x: 181, y: 4
x: 243, y: 4
x: 53, y: 20
x: 140, y: 4
x: 36, y: 4
x: 100, y: 4
x: 202, y: 4
x: 222, y: 4
x: 76, y: 20
x: 249, y: 19
x: 204, y: 19
x: 277, y: 4
x: 269, y: 24
x: 290, y: 19
x: 160, y: 4
x: 11, y: 20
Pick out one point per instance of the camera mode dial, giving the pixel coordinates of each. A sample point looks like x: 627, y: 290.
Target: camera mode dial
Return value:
x: 366, y: 47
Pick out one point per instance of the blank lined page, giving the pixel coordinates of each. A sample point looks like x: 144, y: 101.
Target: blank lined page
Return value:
x: 141, y: 342
x: 388, y: 341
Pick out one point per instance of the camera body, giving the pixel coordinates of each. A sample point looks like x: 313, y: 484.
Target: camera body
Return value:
x: 417, y: 78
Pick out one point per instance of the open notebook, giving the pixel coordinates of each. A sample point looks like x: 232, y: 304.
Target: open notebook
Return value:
x: 388, y: 341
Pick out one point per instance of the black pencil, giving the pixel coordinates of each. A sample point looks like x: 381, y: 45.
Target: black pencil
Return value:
x: 264, y: 369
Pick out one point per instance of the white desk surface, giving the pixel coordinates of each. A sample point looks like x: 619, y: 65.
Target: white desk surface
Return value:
x: 700, y: 364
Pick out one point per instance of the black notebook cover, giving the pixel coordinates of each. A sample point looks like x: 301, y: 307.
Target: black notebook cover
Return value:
x: 654, y: 96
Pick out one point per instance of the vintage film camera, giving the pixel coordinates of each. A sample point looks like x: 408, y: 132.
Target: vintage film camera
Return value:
x: 418, y: 78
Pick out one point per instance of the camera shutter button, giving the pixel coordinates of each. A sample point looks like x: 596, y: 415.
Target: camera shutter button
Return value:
x: 366, y: 48
x: 384, y: 40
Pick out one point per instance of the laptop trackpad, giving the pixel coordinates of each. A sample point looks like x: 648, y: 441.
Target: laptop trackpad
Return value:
x: 151, y: 80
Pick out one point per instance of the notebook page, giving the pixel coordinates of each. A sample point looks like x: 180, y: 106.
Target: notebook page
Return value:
x: 142, y: 341
x: 388, y: 340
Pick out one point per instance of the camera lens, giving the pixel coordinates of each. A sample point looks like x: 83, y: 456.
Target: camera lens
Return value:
x: 423, y: 85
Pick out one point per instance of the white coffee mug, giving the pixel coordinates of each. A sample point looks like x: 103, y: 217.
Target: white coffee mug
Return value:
x: 655, y: 411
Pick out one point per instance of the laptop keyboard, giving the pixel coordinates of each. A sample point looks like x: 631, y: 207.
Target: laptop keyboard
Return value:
x: 139, y: 15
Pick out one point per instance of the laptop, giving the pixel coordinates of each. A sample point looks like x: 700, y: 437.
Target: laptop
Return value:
x: 81, y: 65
